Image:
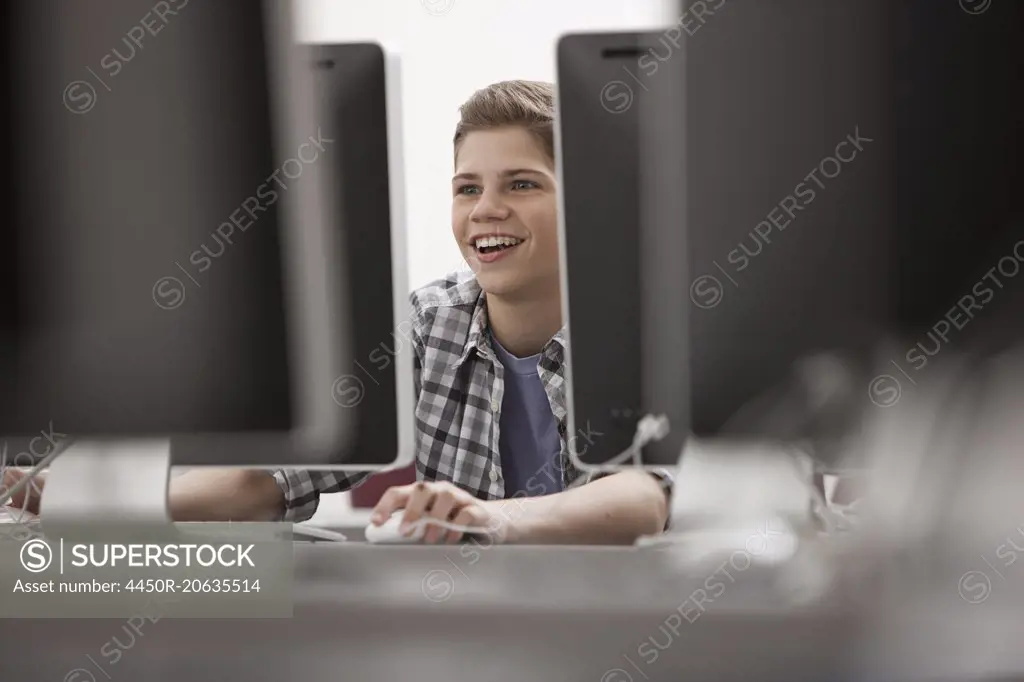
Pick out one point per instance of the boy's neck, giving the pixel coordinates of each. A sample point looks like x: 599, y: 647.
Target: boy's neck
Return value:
x: 524, y: 326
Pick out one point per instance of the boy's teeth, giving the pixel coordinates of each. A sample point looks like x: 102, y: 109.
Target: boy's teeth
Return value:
x: 490, y: 242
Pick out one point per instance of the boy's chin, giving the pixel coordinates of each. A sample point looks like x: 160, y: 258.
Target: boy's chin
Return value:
x: 505, y: 284
x: 515, y: 286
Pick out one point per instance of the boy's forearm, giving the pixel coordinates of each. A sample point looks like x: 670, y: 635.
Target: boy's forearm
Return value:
x: 225, y: 495
x: 615, y: 510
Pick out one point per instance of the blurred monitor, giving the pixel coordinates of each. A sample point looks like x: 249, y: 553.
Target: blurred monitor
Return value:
x: 850, y: 175
x: 199, y: 234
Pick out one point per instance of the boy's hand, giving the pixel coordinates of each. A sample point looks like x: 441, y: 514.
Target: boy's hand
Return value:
x: 438, y: 500
x: 33, y: 491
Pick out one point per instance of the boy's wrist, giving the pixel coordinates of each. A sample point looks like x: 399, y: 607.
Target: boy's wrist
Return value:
x: 509, y: 519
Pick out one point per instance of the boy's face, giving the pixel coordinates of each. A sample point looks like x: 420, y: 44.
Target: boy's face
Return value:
x: 504, y: 188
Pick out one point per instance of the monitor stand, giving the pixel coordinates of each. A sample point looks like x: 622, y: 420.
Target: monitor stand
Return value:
x: 114, y: 488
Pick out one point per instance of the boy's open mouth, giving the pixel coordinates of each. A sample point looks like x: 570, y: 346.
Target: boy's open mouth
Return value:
x: 487, y: 245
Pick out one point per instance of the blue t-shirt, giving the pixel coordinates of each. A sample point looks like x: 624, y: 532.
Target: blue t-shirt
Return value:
x: 528, y: 441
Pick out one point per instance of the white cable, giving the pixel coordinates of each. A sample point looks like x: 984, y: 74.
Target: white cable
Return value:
x: 822, y: 510
x: 649, y: 429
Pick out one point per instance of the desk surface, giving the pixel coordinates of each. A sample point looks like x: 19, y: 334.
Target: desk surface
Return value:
x: 367, y: 612
x: 417, y: 576
x: 513, y: 614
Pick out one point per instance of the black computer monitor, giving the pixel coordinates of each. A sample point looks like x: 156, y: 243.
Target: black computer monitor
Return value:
x: 623, y: 277
x: 358, y: 102
x: 200, y: 234
x: 850, y: 174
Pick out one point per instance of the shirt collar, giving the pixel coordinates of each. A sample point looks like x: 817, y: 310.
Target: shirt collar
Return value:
x: 479, y: 339
x: 558, y: 340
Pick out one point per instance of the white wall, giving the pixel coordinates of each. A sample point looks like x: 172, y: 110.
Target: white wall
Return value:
x: 450, y: 48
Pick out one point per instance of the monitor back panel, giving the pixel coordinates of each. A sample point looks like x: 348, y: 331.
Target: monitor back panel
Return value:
x: 852, y: 174
x: 352, y: 108
x: 849, y: 175
x: 623, y: 243
x: 141, y: 276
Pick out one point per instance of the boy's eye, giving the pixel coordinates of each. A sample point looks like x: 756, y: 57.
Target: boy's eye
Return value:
x: 523, y: 184
x: 467, y: 189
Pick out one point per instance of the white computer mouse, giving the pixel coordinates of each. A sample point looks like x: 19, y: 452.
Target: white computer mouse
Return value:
x: 387, y: 533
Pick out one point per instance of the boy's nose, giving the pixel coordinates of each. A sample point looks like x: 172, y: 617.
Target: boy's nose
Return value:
x: 489, y: 208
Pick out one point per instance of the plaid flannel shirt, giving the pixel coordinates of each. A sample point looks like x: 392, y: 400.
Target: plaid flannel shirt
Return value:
x: 459, y: 384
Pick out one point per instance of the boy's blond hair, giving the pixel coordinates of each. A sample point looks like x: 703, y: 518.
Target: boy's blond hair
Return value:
x: 529, y: 104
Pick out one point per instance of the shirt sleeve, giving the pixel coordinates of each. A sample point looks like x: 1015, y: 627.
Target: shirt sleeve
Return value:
x: 667, y: 480
x: 302, y: 489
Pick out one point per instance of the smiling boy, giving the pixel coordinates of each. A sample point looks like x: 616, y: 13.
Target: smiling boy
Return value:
x: 490, y: 351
